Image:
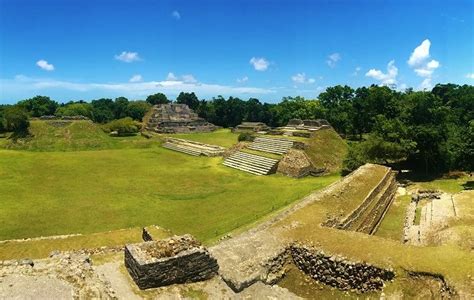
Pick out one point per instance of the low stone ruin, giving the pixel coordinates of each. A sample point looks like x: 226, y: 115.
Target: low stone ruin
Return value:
x: 67, y: 118
x: 367, y: 217
x: 302, y: 128
x: 176, y: 118
x: 251, y: 127
x: 193, y: 148
x: 339, y: 272
x: 179, y: 259
x: 295, y: 163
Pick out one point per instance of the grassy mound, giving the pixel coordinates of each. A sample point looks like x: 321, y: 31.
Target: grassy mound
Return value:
x: 58, y: 135
x: 327, y: 150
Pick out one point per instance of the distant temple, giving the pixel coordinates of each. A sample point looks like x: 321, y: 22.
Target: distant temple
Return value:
x: 251, y: 127
x: 176, y: 118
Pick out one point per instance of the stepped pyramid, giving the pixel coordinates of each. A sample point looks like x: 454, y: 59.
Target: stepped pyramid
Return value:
x: 176, y: 118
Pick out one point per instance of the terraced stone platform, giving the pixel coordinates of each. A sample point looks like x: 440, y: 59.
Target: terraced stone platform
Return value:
x: 193, y: 148
x: 270, y: 145
x: 251, y: 163
x: 367, y: 217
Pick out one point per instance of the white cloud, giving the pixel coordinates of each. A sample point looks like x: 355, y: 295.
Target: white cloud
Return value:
x: 128, y: 57
x: 419, y: 62
x: 171, y: 77
x: 356, y: 71
x: 301, y: 78
x: 428, y: 69
x: 135, y: 89
x: 136, y: 78
x: 426, y: 84
x: 43, y: 64
x: 259, y: 63
x: 470, y: 75
x: 243, y: 79
x: 333, y: 59
x: 385, y: 78
x: 420, y: 54
x: 189, y: 78
x: 175, y: 14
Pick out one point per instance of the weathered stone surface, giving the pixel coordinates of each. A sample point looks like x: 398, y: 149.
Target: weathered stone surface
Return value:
x: 337, y: 271
x: 251, y: 127
x: 174, y: 260
x: 295, y: 163
x: 177, y: 118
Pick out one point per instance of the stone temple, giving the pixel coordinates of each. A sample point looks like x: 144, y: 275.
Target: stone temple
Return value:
x: 176, y: 118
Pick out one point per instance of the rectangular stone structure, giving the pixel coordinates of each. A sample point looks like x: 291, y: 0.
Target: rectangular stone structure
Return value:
x: 179, y: 259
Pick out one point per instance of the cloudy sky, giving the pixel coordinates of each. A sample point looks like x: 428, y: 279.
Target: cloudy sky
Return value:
x: 86, y: 49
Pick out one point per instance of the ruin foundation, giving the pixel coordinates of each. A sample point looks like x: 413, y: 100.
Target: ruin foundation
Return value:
x: 179, y: 259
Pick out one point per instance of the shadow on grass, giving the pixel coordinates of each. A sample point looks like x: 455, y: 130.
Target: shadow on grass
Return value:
x: 468, y: 185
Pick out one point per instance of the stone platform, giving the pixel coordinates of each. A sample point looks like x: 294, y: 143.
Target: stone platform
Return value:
x: 178, y: 259
x: 176, y: 118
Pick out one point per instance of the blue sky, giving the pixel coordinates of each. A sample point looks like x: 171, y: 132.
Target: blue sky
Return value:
x: 84, y: 49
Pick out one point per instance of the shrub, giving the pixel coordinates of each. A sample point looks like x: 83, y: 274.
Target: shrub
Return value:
x: 123, y: 127
x: 246, y: 137
x: 16, y: 120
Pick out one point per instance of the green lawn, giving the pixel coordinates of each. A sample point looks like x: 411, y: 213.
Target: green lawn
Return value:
x: 221, y: 137
x: 446, y: 185
x: 392, y: 224
x: 50, y: 193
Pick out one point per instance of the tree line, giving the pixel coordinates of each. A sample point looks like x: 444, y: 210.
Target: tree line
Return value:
x: 430, y: 130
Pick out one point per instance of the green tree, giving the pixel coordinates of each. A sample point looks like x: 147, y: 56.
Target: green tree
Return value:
x: 75, y: 109
x: 158, y: 98
x: 137, y: 109
x: 16, y: 120
x: 39, y: 106
x: 190, y: 99
x: 337, y: 102
x: 103, y: 110
x: 120, y: 107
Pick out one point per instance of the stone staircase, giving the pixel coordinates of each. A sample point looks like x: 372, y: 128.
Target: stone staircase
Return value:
x: 368, y: 216
x: 251, y: 163
x: 193, y: 147
x: 182, y: 149
x: 270, y: 145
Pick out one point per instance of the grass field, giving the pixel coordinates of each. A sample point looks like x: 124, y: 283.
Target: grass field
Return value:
x: 392, y: 224
x: 221, y: 137
x: 51, y: 193
x: 40, y: 248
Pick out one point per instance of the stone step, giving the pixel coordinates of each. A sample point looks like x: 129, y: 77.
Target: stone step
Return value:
x: 276, y: 146
x: 254, y: 157
x: 251, y: 163
x: 181, y: 149
x: 245, y: 169
x: 268, y: 149
x: 280, y: 141
x: 272, y: 145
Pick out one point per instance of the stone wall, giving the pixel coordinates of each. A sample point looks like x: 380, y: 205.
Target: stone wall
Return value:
x: 338, y: 272
x: 176, y: 118
x: 295, y: 163
x: 170, y: 261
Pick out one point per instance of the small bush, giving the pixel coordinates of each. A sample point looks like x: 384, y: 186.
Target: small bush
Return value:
x: 123, y: 127
x: 246, y: 137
